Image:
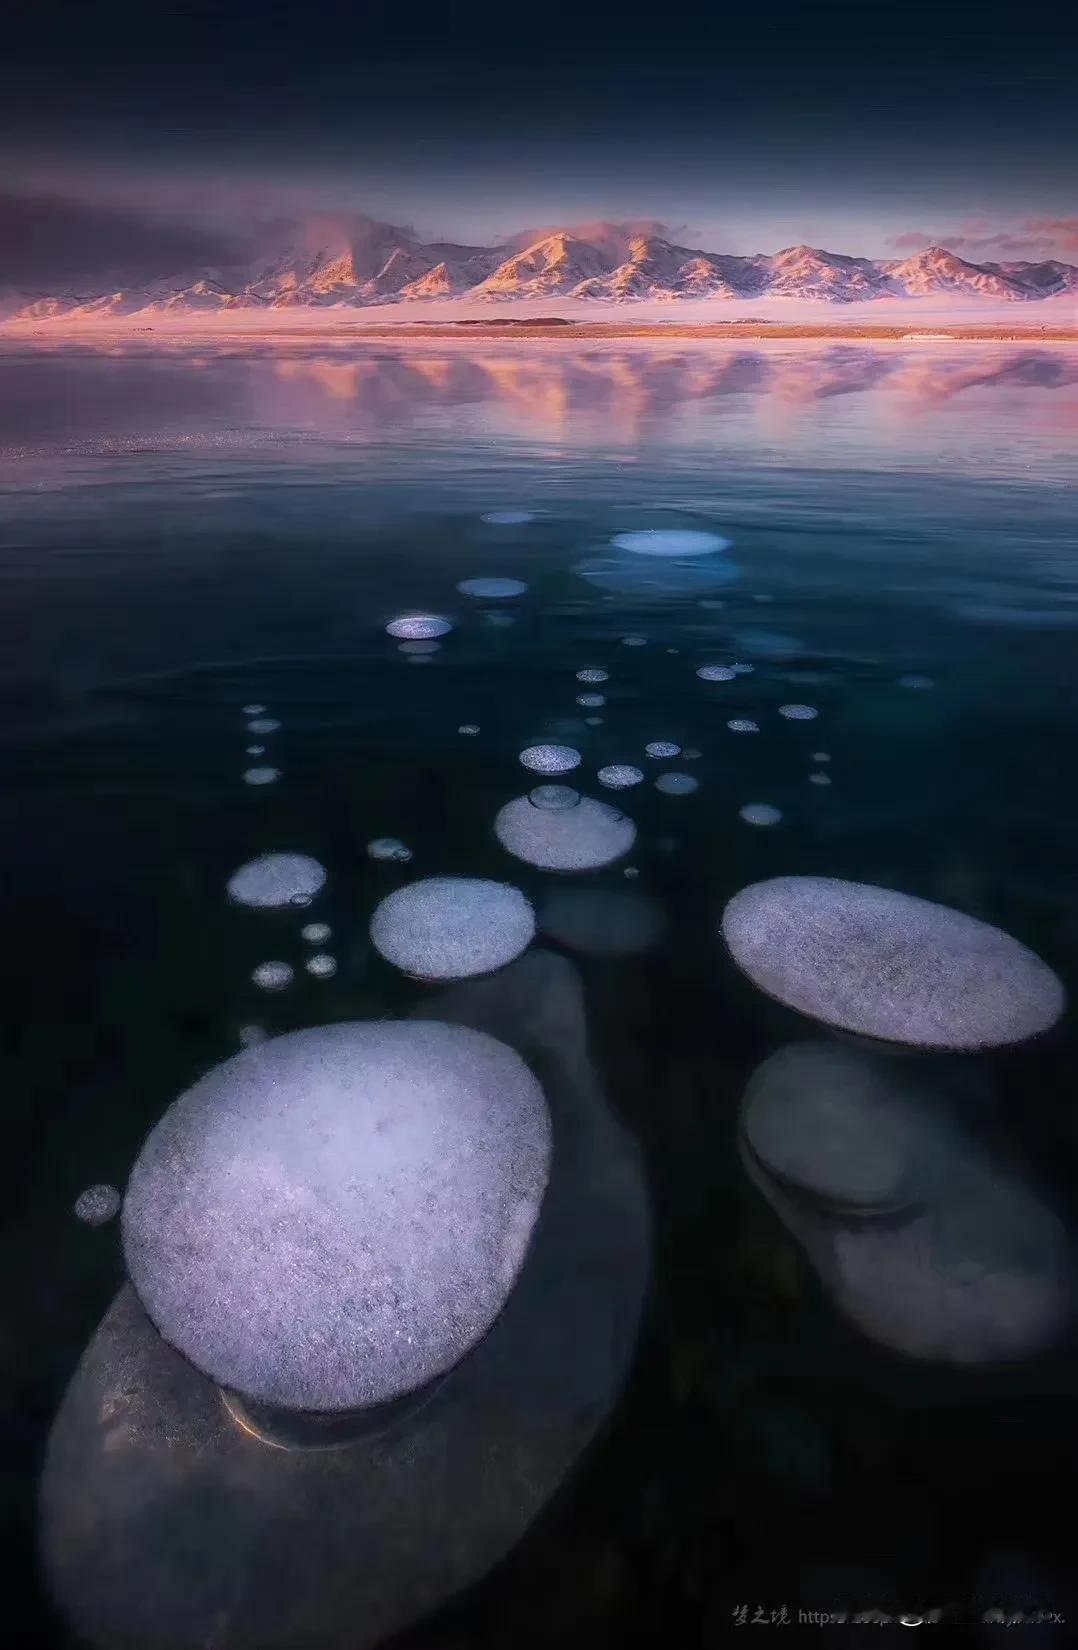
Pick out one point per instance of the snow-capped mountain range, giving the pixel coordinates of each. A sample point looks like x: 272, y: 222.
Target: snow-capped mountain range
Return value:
x: 357, y: 263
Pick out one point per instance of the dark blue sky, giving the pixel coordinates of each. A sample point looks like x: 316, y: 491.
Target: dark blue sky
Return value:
x: 748, y: 128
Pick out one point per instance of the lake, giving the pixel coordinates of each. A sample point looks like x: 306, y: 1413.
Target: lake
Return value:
x: 187, y: 531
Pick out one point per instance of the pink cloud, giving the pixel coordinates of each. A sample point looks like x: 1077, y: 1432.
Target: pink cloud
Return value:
x: 1033, y: 238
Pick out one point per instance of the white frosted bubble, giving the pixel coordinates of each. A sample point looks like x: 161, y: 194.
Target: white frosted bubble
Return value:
x: 316, y: 933
x: 677, y: 784
x: 603, y: 922
x: 673, y: 650
x: 418, y: 627
x: 253, y: 710
x: 821, y: 756
x: 469, y: 728
x: 97, y: 1204
x: 883, y: 964
x: 572, y: 839
x: 249, y: 1035
x: 619, y: 776
x: 418, y: 650
x: 550, y: 758
x: 554, y: 796
x: 634, y: 641
x: 272, y: 976
x: 798, y: 713
x: 591, y: 673
x: 819, y: 779
x: 716, y: 673
x: 450, y: 928
x: 743, y: 724
x: 508, y: 518
x: 275, y: 880
x: 389, y: 848
x: 332, y: 1220
x: 591, y: 701
x: 492, y: 589
x: 263, y: 724
x: 918, y: 683
x: 662, y: 747
x: 670, y: 542
x: 759, y: 813
x: 256, y: 750
x: 261, y: 776
x: 631, y: 872
x: 322, y: 965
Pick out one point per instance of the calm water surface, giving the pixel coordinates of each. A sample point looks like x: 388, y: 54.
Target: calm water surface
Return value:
x: 184, y: 534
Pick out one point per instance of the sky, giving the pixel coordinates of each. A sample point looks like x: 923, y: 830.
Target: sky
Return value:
x: 864, y: 128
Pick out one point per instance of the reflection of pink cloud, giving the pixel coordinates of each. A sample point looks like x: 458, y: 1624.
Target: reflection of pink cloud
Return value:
x: 1033, y: 238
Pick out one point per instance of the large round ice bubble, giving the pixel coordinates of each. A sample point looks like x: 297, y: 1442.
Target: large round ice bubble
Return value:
x: 275, y: 880
x: 569, y: 839
x: 333, y: 1218
x: 887, y: 965
x: 449, y: 928
x: 673, y: 542
x: 418, y: 627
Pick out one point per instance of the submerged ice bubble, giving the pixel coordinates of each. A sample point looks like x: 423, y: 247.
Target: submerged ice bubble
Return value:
x: 263, y: 724
x: 322, y: 965
x: 419, y: 649
x: 634, y: 641
x: 591, y: 701
x: 554, y: 796
x: 316, y: 933
x: 253, y: 710
x: 603, y: 922
x: 550, y: 758
x: 261, y: 776
x: 272, y: 976
x: 819, y: 779
x: 798, y: 713
x: 97, y: 1205
x: 743, y: 724
x: 508, y: 518
x: 918, y: 683
x: 333, y: 1219
x: 677, y: 784
x: 389, y: 848
x: 275, y: 880
x: 492, y: 589
x: 662, y: 747
x: 887, y: 965
x: 469, y: 728
x: 759, y: 813
x: 581, y: 838
x: 670, y: 542
x: 256, y: 750
x: 418, y: 627
x: 449, y: 928
x: 618, y: 776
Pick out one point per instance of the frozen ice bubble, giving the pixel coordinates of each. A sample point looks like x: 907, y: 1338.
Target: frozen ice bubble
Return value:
x: 618, y: 776
x: 97, y: 1205
x: 740, y: 669
x: 256, y: 750
x: 591, y: 673
x: 418, y: 627
x: 263, y: 724
x: 591, y: 701
x: 887, y: 965
x: 554, y: 796
x: 743, y: 724
x: 322, y: 965
x: 798, y: 713
x: 469, y: 728
x: 582, y: 838
x: 492, y: 589
x: 253, y: 710
x: 603, y: 922
x: 499, y: 621
x: 634, y: 641
x: 333, y: 1219
x: 662, y: 747
x: 419, y: 649
x: 449, y: 928
x: 272, y: 976
x: 508, y: 518
x: 593, y: 721
x: 631, y: 871
x: 261, y: 776
x: 918, y: 683
x: 316, y: 933
x: 670, y: 542
x: 677, y: 784
x: 389, y: 848
x: 691, y: 754
x: 550, y: 758
x: 819, y: 779
x: 759, y: 813
x: 821, y: 756
x: 274, y: 880
x: 716, y: 673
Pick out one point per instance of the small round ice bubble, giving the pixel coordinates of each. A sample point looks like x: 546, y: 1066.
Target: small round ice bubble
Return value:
x: 798, y: 713
x: 470, y: 728
x: 662, y: 747
x: 819, y: 779
x: 418, y: 627
x: 322, y: 965
x: 261, y: 776
x: 591, y: 673
x: 821, y: 756
x: 451, y: 928
x: 740, y: 669
x: 256, y: 750
x: 918, y: 683
x: 492, y: 589
x: 634, y: 641
x: 417, y: 650
x: 550, y: 758
x: 716, y: 673
x: 253, y: 710
x: 670, y: 542
x: 508, y: 518
x: 743, y: 724
x: 677, y: 784
x: 619, y: 776
x: 388, y: 847
x: 263, y: 724
x: 316, y: 933
x: 274, y: 880
x: 591, y: 701
x: 97, y: 1205
x: 272, y: 976
x: 760, y: 813
x: 554, y: 797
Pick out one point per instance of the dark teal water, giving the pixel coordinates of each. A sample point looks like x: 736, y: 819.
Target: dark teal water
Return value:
x: 183, y: 535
